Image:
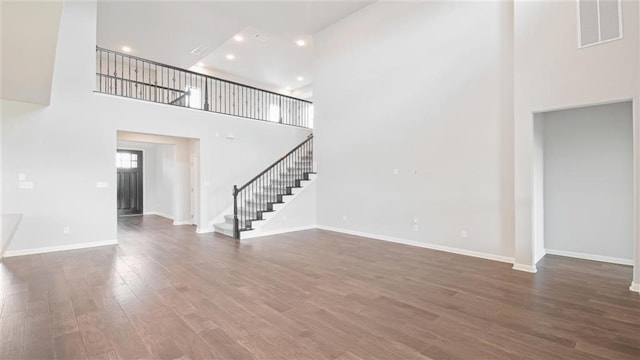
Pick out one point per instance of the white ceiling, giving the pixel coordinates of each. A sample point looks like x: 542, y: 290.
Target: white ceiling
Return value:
x: 167, y: 32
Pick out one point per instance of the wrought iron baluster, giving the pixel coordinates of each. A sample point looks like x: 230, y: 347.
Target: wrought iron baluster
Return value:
x: 152, y: 81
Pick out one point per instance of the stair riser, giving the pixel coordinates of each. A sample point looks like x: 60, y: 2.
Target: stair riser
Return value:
x: 285, y: 182
x: 296, y: 172
x: 263, y: 206
x: 224, y: 230
x: 265, y: 199
x: 267, y: 195
x: 229, y: 220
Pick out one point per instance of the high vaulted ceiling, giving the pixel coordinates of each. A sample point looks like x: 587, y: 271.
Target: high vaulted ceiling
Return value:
x: 28, y: 38
x: 167, y: 32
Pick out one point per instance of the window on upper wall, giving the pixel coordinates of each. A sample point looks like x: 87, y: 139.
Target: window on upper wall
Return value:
x: 599, y: 21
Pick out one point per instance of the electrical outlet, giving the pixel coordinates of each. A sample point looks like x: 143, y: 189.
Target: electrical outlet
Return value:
x: 66, y: 230
x: 102, y: 184
x: 22, y: 177
x: 344, y: 217
x: 464, y: 234
x: 25, y: 185
x: 395, y: 171
x: 415, y: 227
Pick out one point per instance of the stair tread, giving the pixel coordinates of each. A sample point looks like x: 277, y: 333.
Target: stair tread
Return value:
x: 224, y: 226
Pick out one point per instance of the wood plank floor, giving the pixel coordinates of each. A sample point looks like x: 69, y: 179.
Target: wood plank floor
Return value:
x: 168, y: 293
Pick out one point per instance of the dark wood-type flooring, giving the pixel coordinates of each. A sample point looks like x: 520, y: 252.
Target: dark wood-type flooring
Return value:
x: 166, y: 292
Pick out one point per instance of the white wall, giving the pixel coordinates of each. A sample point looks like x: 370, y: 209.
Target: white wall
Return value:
x: 538, y: 187
x: 551, y: 73
x: 588, y: 180
x: 295, y: 214
x: 67, y: 147
x: 169, y: 202
x: 422, y: 86
x: 635, y: 286
x: 1, y: 211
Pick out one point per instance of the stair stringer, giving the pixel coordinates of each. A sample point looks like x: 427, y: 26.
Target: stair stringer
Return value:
x: 298, y: 212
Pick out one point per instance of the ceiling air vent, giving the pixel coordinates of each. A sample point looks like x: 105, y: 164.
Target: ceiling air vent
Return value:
x: 261, y: 37
x: 201, y: 51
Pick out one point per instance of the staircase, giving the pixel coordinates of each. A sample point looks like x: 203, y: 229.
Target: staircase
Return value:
x: 262, y: 194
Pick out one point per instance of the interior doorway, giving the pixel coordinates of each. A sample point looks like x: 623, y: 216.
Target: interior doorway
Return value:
x: 129, y: 165
x: 584, y: 183
x: 170, y: 187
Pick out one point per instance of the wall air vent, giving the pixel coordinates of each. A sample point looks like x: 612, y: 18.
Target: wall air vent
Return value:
x: 599, y: 21
x: 261, y: 37
x: 201, y: 51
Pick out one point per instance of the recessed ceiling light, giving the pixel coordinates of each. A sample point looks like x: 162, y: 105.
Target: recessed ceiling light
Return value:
x: 300, y: 78
x: 126, y: 49
x: 230, y: 56
x: 200, y: 64
x: 300, y: 42
x: 238, y: 38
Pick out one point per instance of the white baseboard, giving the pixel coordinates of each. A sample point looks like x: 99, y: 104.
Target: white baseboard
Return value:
x: 182, y: 222
x: 170, y: 217
x: 249, y: 235
x: 526, y: 268
x: 540, y: 256
x: 584, y: 256
x: 472, y: 253
x: 635, y: 287
x: 48, y: 249
x: 205, y: 230
x: 159, y: 214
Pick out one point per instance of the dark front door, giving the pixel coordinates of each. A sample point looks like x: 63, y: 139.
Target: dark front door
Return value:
x: 129, y: 165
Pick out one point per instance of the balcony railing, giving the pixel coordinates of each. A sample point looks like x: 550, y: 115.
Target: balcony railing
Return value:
x: 133, y: 77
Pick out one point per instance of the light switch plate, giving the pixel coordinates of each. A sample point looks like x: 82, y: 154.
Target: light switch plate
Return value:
x: 102, y: 184
x: 22, y: 177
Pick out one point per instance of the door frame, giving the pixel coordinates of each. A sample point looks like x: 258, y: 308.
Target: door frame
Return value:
x: 527, y: 240
x: 144, y: 171
x: 142, y: 175
x: 195, y: 188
